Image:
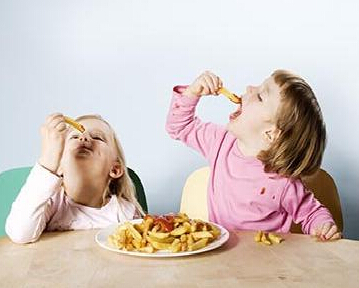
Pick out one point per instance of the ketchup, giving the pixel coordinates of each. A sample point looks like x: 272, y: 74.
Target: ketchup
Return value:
x: 165, y: 221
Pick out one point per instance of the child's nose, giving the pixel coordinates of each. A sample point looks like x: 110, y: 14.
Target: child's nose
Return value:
x: 83, y: 137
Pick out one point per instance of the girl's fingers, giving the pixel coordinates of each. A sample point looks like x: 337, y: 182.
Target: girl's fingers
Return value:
x: 317, y: 231
x: 325, y: 229
x: 51, y: 117
x: 336, y: 236
x: 209, y: 83
x: 331, y: 232
x: 56, y: 121
x: 205, y: 89
x: 61, y: 126
x: 216, y: 81
x: 220, y: 83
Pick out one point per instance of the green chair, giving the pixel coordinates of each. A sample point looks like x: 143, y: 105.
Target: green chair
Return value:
x: 12, y: 180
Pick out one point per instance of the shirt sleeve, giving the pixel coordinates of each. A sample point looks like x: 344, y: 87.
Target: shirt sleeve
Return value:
x: 183, y: 125
x: 304, y: 208
x: 32, y: 208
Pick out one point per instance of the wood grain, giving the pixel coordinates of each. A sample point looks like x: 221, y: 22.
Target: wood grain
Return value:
x: 73, y: 259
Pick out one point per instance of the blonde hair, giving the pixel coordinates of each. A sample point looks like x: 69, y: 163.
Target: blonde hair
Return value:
x: 123, y: 186
x: 299, y: 148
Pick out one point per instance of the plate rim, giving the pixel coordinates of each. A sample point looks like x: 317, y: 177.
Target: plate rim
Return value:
x: 222, y: 240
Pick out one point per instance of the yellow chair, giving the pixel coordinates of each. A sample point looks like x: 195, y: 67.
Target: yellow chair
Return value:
x: 194, y: 195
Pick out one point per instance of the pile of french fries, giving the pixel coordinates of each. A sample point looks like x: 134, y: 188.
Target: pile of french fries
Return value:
x: 174, y: 233
x: 267, y: 238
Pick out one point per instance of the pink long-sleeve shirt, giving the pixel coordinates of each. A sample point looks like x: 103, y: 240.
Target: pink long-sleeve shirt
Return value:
x: 240, y: 194
x: 42, y: 204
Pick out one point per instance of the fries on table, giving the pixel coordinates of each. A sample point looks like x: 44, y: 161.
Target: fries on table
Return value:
x: 74, y: 124
x: 234, y: 98
x: 267, y: 238
x: 174, y: 233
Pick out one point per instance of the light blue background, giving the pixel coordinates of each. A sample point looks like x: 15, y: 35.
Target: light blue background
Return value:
x: 120, y: 59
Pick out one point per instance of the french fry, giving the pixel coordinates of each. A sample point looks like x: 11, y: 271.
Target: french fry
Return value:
x: 184, y: 246
x: 201, y: 234
x: 176, y: 246
x: 160, y: 246
x: 198, y: 245
x: 152, y: 234
x: 147, y: 249
x: 159, y: 235
x: 265, y: 240
x: 193, y: 227
x: 215, y: 231
x: 136, y: 243
x: 129, y: 247
x: 74, y: 124
x: 135, y: 234
x: 234, y: 98
x: 190, y: 239
x: 183, y: 238
x: 163, y: 240
x: 258, y: 236
x: 139, y: 227
x: 182, y: 218
x: 179, y: 231
x: 274, y: 238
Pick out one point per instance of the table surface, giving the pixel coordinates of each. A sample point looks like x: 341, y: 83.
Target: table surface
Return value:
x: 74, y: 259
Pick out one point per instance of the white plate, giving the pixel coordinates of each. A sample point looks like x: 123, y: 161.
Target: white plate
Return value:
x: 102, y: 236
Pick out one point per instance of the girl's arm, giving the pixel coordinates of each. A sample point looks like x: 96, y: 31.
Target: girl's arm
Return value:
x: 32, y: 208
x: 181, y: 121
x: 304, y: 208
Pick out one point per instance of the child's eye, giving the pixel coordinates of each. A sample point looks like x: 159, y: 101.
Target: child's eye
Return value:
x: 74, y: 137
x: 259, y: 97
x: 97, y: 138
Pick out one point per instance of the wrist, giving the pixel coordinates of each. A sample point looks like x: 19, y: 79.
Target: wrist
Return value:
x: 189, y: 93
x: 48, y: 165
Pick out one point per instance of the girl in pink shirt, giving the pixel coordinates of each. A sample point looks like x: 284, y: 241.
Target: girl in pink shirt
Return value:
x: 79, y: 182
x: 276, y: 135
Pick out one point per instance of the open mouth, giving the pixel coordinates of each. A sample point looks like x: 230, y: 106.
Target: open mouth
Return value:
x: 83, y: 150
x: 235, y: 114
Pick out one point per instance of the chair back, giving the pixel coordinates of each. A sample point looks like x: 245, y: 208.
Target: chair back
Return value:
x: 325, y: 190
x: 12, y: 180
x: 194, y: 194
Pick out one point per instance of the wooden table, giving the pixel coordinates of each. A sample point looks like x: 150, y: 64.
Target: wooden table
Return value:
x: 73, y: 259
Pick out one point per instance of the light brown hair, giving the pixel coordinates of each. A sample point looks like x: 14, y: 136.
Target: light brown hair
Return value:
x: 123, y: 186
x: 299, y: 148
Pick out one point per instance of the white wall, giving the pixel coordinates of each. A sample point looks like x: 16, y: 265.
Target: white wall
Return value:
x: 121, y: 58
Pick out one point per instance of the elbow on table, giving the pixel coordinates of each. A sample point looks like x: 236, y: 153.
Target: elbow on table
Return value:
x: 20, y: 235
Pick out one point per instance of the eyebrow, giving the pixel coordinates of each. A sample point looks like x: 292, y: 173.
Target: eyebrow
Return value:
x: 96, y: 131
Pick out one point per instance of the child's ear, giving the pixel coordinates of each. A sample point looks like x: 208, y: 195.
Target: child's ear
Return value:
x: 116, y: 170
x: 271, y: 135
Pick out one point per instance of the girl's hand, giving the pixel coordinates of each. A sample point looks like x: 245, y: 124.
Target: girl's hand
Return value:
x: 327, y: 231
x: 53, y: 134
x: 206, y: 84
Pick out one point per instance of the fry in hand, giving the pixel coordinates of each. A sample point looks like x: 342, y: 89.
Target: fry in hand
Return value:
x: 74, y: 124
x: 234, y: 98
